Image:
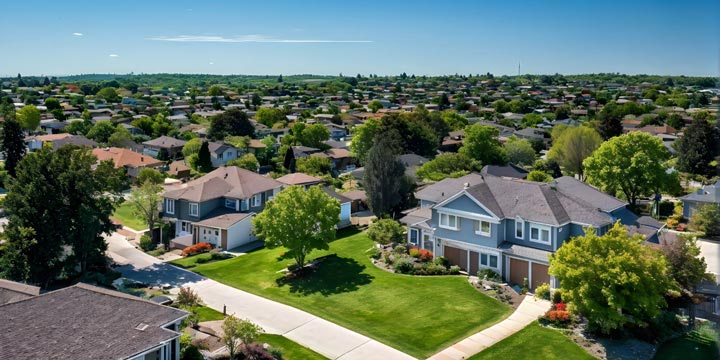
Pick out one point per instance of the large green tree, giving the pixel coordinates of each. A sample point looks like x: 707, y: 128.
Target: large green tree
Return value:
x: 314, y: 135
x: 145, y: 203
x: 29, y: 117
x: 59, y: 208
x: 101, y: 131
x: 632, y: 164
x: 481, y: 143
x: 610, y: 120
x: 270, y: 116
x: 520, y: 151
x: 384, y: 176
x: 233, y: 122
x: 13, y: 144
x: 247, y: 162
x: 362, y: 140
x: 698, y: 147
x: 572, y: 146
x: 613, y: 280
x: 706, y: 218
x: 204, y: 161
x: 299, y: 220
x: 447, y: 165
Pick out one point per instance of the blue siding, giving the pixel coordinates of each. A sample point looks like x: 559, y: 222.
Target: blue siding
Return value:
x: 576, y: 230
x: 425, y: 203
x: 525, y: 241
x: 464, y: 203
x: 562, y: 234
x: 466, y: 232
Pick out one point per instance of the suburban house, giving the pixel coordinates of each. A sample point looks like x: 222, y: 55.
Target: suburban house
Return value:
x: 509, y: 170
x: 11, y: 291
x: 124, y: 158
x: 306, y: 181
x: 511, y: 225
x: 218, y: 207
x: 221, y: 153
x: 164, y: 147
x: 57, y: 141
x: 708, y: 194
x: 88, y: 322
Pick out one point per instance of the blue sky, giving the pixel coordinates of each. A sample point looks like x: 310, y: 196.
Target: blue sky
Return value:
x: 381, y: 37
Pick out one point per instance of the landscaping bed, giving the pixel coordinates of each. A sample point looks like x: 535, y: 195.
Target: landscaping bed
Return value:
x: 418, y: 315
x: 191, y: 261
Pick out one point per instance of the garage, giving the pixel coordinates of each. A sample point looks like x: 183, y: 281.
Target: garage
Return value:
x: 456, y: 256
x: 518, y: 271
x: 539, y: 275
x: 473, y: 267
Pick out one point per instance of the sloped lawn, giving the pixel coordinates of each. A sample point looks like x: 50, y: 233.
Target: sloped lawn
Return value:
x: 124, y: 214
x: 534, y: 342
x: 417, y: 315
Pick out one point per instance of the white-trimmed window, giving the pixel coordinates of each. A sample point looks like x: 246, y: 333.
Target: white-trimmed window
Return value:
x: 519, y: 228
x: 414, y: 236
x: 489, y: 260
x: 230, y: 203
x: 170, y: 206
x: 482, y: 227
x: 194, y: 209
x: 257, y: 200
x: 540, y: 234
x: 448, y: 221
x: 244, y: 205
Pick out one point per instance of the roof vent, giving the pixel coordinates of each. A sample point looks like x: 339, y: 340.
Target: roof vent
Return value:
x: 141, y: 326
x: 225, y: 177
x: 466, y: 185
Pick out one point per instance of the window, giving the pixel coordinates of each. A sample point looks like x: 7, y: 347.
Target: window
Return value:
x: 483, y: 259
x: 194, y: 209
x: 489, y: 260
x: 493, y: 261
x: 414, y: 236
x: 449, y: 222
x: 482, y: 228
x: 540, y: 234
x: 230, y: 203
x: 257, y: 200
x: 519, y: 228
x: 244, y: 205
x: 170, y: 206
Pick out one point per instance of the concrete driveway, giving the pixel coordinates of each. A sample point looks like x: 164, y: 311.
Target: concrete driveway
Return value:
x: 711, y: 251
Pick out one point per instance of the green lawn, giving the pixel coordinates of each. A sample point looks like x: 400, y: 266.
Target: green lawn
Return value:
x: 190, y: 261
x: 691, y: 346
x: 290, y: 350
x: 124, y: 214
x: 417, y: 315
x: 534, y: 342
x: 208, y: 314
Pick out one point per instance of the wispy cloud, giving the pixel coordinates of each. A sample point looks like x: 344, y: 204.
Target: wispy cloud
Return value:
x: 114, y: 55
x: 247, y: 39
x: 78, y: 34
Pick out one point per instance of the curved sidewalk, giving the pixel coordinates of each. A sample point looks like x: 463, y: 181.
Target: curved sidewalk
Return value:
x: 528, y: 311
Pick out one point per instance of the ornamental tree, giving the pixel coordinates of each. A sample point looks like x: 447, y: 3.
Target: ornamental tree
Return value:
x: 299, y: 220
x: 572, y: 146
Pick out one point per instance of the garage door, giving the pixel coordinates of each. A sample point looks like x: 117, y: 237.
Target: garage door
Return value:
x: 456, y: 257
x: 473, y: 263
x: 539, y: 275
x: 518, y: 271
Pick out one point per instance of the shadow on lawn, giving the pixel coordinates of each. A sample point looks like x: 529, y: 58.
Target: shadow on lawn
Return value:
x: 334, y: 275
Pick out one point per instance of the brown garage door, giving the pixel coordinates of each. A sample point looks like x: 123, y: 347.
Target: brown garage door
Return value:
x: 518, y: 271
x: 473, y: 266
x: 539, y: 275
x: 456, y: 256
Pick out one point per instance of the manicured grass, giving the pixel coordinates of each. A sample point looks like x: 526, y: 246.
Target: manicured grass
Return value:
x: 417, y: 315
x: 124, y: 214
x: 691, y: 346
x: 208, y: 314
x: 534, y: 342
x: 290, y: 350
x: 190, y: 261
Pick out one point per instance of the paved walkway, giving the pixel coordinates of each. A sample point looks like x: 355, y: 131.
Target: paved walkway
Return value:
x: 322, y: 336
x: 527, y: 312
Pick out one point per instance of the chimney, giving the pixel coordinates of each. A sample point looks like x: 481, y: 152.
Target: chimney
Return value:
x: 142, y: 159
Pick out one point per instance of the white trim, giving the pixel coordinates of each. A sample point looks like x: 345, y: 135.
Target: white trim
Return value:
x: 540, y: 229
x: 468, y: 215
x: 257, y: 200
x: 464, y: 192
x: 521, y: 222
x: 417, y: 237
x: 234, y: 203
x: 197, y: 209
x: 477, y: 227
x: 440, y: 222
x: 167, y: 208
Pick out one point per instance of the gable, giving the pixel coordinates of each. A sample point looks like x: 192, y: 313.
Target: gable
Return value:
x: 466, y: 204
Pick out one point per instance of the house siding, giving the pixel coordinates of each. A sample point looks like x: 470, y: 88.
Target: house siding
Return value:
x: 466, y: 232
x: 464, y: 203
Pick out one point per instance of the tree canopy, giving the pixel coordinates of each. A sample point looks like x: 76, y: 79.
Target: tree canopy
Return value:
x: 299, y: 220
x: 145, y: 202
x: 233, y: 122
x: 13, y: 144
x: 520, y: 151
x: 698, y: 147
x: 447, y: 165
x: 29, y: 117
x: 571, y: 146
x: 706, y: 218
x: 247, y: 162
x: 270, y: 116
x: 384, y: 178
x: 481, y: 143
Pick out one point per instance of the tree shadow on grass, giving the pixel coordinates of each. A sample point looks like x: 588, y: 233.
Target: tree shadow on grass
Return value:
x: 333, y: 275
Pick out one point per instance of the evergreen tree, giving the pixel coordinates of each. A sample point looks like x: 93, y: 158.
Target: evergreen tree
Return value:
x: 204, y: 162
x: 13, y: 144
x: 383, y: 174
x: 610, y: 118
x: 698, y: 147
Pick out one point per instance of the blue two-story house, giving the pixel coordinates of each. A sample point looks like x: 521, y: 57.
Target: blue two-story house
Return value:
x: 511, y: 225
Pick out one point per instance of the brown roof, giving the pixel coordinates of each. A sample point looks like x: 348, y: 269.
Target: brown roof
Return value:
x: 338, y: 153
x: 256, y: 144
x: 225, y: 181
x: 165, y: 142
x: 124, y: 157
x: 53, y: 137
x: 356, y: 195
x: 11, y: 291
x: 84, y: 322
x: 298, y: 178
x: 224, y: 221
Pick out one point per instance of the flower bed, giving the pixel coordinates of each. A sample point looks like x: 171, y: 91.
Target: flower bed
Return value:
x: 412, y: 261
x: 198, y: 248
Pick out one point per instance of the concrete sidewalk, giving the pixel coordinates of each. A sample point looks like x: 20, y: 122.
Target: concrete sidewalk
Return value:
x: 528, y: 311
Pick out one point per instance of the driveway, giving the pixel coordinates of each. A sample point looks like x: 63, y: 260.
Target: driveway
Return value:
x: 711, y: 251
x: 322, y: 336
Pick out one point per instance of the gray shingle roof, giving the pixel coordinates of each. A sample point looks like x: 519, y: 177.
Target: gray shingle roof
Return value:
x: 446, y: 188
x: 83, y: 322
x: 708, y: 194
x: 225, y: 181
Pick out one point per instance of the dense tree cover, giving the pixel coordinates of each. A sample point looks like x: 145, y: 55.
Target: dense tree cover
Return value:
x: 52, y: 103
x: 699, y: 147
x: 215, y: 91
x: 29, y: 117
x: 101, y: 131
x: 314, y: 165
x: 284, y: 221
x: 270, y: 116
x: 313, y: 135
x: 482, y: 144
x: 233, y: 122
x: 192, y: 147
x: 247, y: 162
x: 145, y: 202
x: 59, y: 209
x: 79, y: 127
x: 13, y: 144
x: 571, y: 146
x: 121, y: 137
x: 613, y: 280
x: 686, y: 265
x: 612, y: 114
x: 375, y: 105
x: 632, y: 164
x: 519, y: 151
x: 386, y: 231
x: 415, y: 134
x: 362, y: 140
x: 385, y: 182
x: 706, y: 218
x: 109, y: 94
x: 155, y: 126
x: 447, y: 165
x: 150, y: 175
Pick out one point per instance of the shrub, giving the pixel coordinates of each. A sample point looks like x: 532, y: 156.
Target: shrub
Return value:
x: 441, y: 260
x: 386, y: 231
x: 557, y: 296
x: 188, y: 351
x: 557, y: 317
x: 146, y: 243
x: 707, y: 219
x: 560, y: 306
x: 543, y: 292
x: 525, y: 286
x: 489, y: 275
x: 666, y: 208
x: 254, y: 351
x: 454, y: 270
x: 196, y: 249
x: 404, y: 266
x: 374, y: 253
x: 220, y: 256
x: 414, y: 252
x: 387, y: 258
x: 187, y: 297
x: 202, y: 260
x: 425, y: 255
x: 431, y: 269
x: 400, y: 250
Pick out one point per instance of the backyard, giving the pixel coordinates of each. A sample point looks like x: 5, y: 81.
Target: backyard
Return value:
x: 124, y: 214
x: 534, y: 342
x: 417, y: 315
